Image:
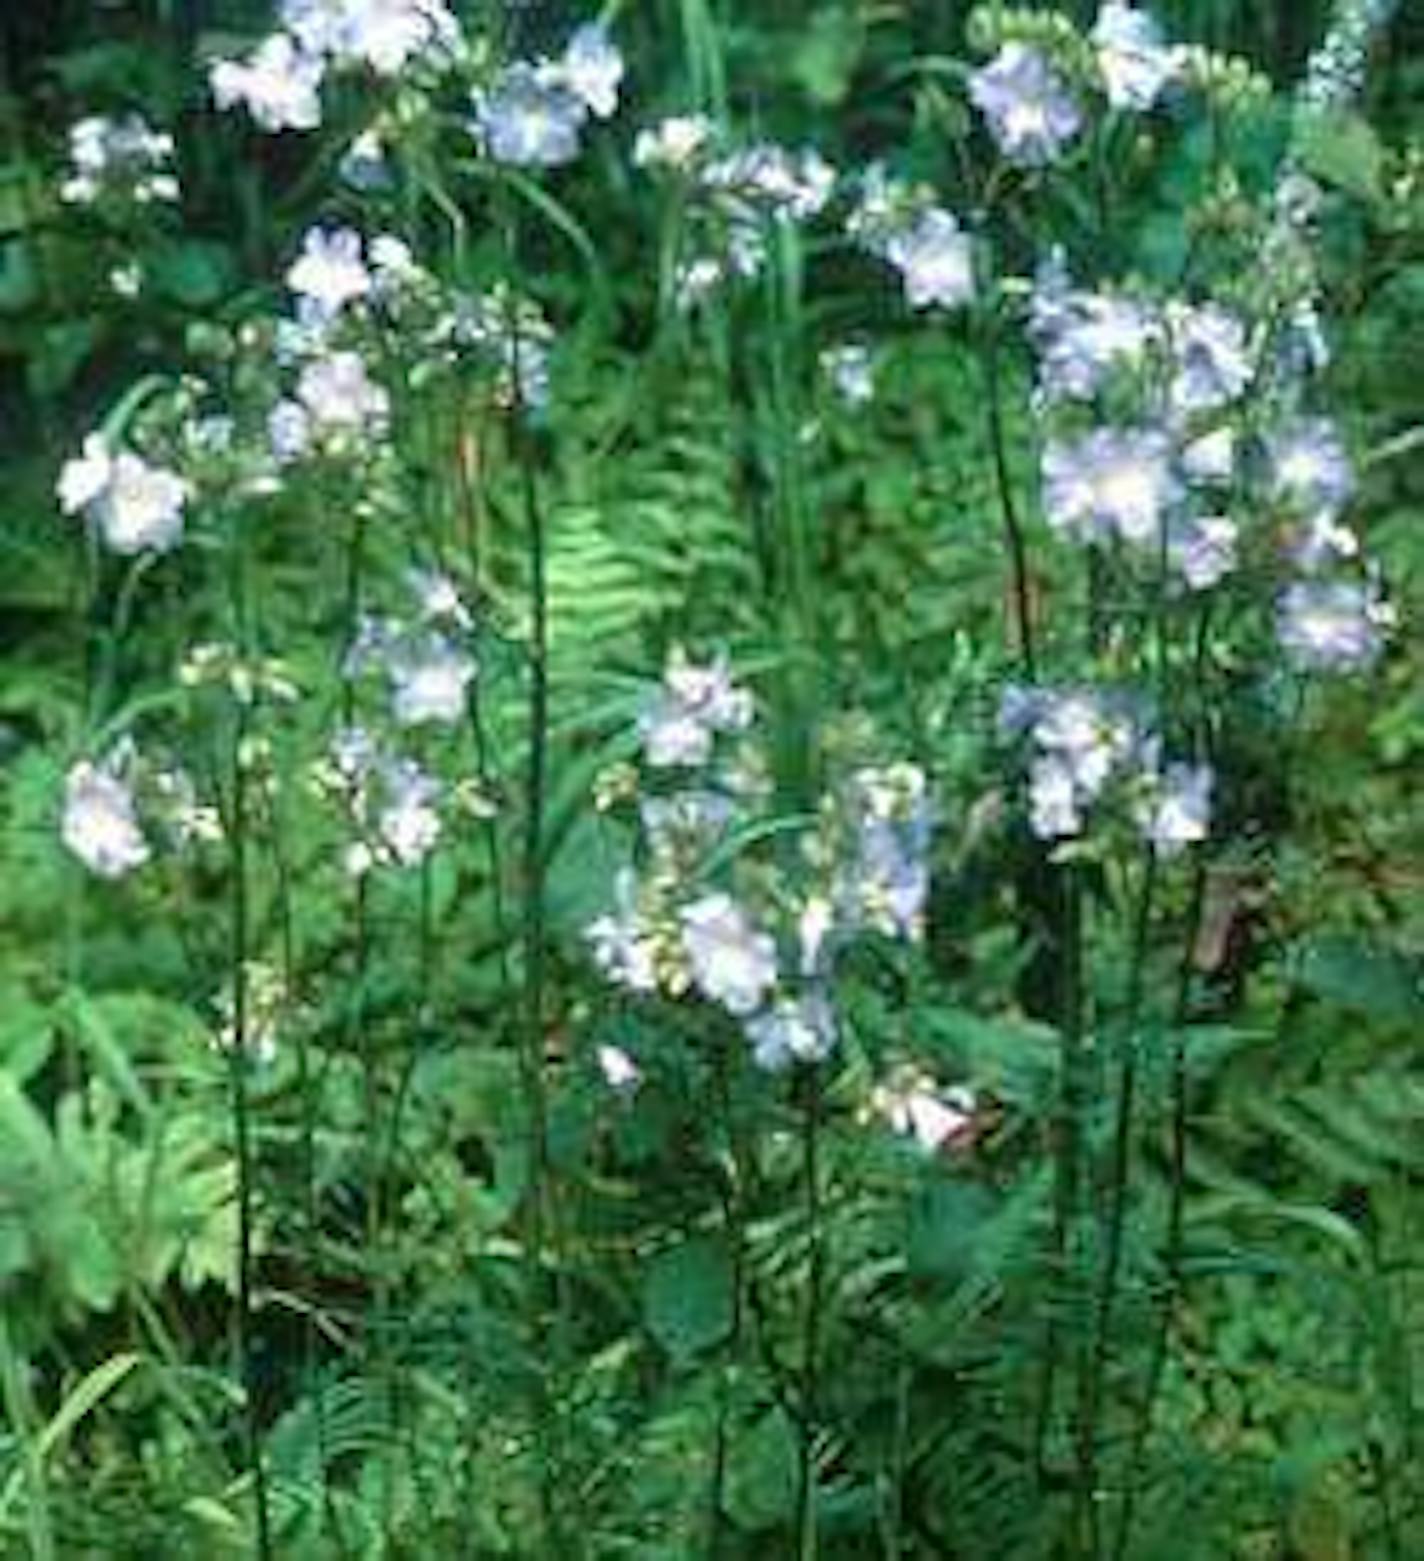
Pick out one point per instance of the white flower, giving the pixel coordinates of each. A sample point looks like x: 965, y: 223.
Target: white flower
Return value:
x: 1029, y: 109
x: 673, y: 143
x: 330, y: 271
x: 1087, y: 738
x: 696, y: 279
x: 851, y: 371
x: 133, y: 506
x: 289, y: 431
x: 86, y: 476
x: 280, y: 85
x: 438, y: 597
x: 593, y: 68
x: 127, y: 279
x: 431, y: 677
x: 1135, y: 63
x: 1210, y: 459
x: 620, y: 1072
x: 813, y: 928
x: 915, y: 1106
x: 338, y: 393
x: 1177, y: 812
x: 408, y: 823
x: 383, y: 34
x: 1082, y: 337
x: 1081, y: 739
x: 731, y: 961
x: 935, y: 257
x: 1323, y: 540
x: 1053, y: 800
x: 100, y: 823
x: 693, y: 705
x: 621, y: 943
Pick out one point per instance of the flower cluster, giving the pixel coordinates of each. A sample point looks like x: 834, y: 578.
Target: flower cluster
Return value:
x: 916, y: 1106
x: 534, y: 112
x: 1082, y: 747
x: 901, y: 224
x: 1335, y: 72
x: 1031, y: 94
x: 266, y: 1011
x: 124, y: 157
x: 1147, y: 445
x: 429, y: 672
x: 393, y: 803
x: 280, y: 82
x: 114, y: 808
x: 762, y: 947
x: 734, y: 197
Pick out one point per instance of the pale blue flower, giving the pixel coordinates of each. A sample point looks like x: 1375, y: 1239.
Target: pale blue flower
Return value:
x: 1177, y: 809
x: 800, y: 1029
x: 1083, y: 337
x: 1112, y: 482
x: 935, y: 258
x: 731, y: 961
x: 621, y: 941
x: 1210, y: 348
x: 1309, y: 467
x: 1332, y: 625
x: 279, y: 85
x: 100, y: 822
x: 530, y: 119
x: 339, y: 394
x: 1030, y: 111
x: 1203, y: 550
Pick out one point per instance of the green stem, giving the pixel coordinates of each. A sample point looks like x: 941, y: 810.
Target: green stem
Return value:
x: 239, y: 913
x: 807, y: 1544
x: 1022, y: 603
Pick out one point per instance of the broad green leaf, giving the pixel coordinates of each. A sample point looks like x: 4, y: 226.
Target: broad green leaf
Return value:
x: 687, y: 1296
x: 1342, y: 149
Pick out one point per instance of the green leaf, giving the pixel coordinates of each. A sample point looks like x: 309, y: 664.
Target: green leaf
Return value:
x: 826, y: 60
x: 761, y: 1476
x: 87, y: 1395
x: 1341, y: 149
x: 194, y: 273
x: 19, y: 285
x: 687, y: 1296
x: 946, y: 1221
x: 1365, y: 978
